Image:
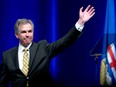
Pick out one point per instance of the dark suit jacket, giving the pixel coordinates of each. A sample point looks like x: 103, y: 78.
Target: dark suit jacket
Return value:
x: 40, y: 55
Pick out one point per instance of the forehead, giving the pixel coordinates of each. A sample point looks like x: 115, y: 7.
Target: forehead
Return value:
x: 26, y: 26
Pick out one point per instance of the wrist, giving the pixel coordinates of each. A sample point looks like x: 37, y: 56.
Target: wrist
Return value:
x: 81, y: 22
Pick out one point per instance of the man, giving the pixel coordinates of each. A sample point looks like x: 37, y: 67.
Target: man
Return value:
x: 36, y: 72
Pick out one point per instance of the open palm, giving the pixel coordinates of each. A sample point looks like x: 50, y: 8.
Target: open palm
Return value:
x: 87, y: 13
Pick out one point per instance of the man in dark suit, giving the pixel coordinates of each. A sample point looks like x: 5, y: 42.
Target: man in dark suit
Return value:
x: 39, y: 54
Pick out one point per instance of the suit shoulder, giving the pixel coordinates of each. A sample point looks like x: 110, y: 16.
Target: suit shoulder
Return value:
x: 41, y: 43
x: 44, y: 42
x: 10, y: 50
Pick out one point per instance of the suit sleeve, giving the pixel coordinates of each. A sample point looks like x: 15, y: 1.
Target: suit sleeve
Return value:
x: 58, y: 46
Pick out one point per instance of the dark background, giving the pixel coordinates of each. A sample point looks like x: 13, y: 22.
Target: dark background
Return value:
x: 54, y: 18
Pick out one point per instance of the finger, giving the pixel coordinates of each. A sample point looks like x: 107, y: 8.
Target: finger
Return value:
x: 81, y: 9
x: 91, y: 9
x: 92, y: 14
x: 87, y: 8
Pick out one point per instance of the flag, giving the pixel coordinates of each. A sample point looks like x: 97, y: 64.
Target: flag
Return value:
x: 108, y: 59
x: 103, y: 72
x: 111, y: 64
x: 108, y: 67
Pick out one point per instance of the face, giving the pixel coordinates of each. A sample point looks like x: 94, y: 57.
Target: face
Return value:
x: 25, y: 34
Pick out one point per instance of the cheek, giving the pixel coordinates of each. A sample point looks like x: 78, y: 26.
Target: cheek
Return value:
x: 20, y: 36
x: 31, y: 35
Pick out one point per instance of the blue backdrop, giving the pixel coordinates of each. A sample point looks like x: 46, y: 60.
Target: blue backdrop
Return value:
x: 54, y: 18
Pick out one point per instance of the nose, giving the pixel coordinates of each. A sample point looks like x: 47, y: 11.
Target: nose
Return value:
x: 27, y: 33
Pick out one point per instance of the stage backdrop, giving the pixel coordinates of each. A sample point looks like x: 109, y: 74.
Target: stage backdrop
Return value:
x: 54, y: 18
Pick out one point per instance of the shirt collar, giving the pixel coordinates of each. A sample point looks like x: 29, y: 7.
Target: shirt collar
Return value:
x: 21, y: 47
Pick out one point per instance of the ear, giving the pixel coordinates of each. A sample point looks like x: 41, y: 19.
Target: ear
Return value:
x: 16, y: 35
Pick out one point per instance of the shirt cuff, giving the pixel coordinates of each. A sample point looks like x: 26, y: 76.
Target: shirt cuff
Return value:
x: 79, y: 27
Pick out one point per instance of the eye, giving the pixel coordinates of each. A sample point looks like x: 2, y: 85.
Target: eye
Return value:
x: 30, y: 31
x: 23, y: 31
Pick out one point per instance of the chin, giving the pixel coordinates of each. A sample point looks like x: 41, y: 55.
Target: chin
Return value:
x: 25, y: 44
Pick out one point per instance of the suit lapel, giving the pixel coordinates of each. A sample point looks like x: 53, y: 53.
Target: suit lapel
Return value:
x: 33, y: 51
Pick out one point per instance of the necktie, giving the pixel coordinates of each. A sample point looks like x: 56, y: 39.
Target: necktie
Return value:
x: 25, y: 62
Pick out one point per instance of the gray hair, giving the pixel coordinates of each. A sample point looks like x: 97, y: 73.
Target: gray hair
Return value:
x: 22, y: 22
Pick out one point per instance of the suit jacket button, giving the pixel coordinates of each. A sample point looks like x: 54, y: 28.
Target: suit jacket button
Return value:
x: 27, y: 78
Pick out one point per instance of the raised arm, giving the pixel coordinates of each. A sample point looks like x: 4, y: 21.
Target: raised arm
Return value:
x: 85, y: 15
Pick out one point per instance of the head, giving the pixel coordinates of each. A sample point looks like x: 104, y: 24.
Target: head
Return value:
x: 24, y: 29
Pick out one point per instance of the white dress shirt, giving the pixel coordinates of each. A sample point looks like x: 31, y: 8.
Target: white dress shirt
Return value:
x: 20, y: 54
x: 79, y: 27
